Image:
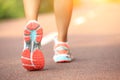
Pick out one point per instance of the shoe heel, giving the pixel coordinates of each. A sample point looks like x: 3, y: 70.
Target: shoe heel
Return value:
x: 33, y: 28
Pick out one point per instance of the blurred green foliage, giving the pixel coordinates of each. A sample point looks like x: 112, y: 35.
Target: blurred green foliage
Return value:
x: 46, y: 6
x: 14, y: 8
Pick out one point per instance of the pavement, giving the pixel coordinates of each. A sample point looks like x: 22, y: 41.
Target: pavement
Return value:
x: 94, y: 37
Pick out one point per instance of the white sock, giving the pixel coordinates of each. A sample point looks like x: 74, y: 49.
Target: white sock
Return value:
x: 59, y: 42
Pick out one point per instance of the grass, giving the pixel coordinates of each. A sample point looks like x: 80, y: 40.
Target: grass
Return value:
x: 14, y: 8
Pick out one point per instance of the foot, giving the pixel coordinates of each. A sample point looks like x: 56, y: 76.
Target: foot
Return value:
x: 32, y: 57
x: 62, y: 52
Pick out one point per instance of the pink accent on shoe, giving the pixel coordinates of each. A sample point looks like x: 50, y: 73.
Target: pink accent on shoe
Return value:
x: 37, y: 60
x: 26, y: 32
x: 32, y: 26
x: 27, y: 38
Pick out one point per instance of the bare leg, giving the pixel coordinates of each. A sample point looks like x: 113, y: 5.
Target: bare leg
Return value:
x: 31, y: 8
x: 63, y: 11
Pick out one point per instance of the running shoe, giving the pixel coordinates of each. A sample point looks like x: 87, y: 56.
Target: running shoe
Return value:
x: 32, y: 57
x: 62, y: 53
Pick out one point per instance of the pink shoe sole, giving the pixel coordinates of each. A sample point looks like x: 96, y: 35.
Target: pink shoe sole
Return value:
x: 32, y: 57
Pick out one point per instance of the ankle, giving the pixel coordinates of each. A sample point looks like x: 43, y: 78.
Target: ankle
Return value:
x: 59, y: 41
x: 32, y: 21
